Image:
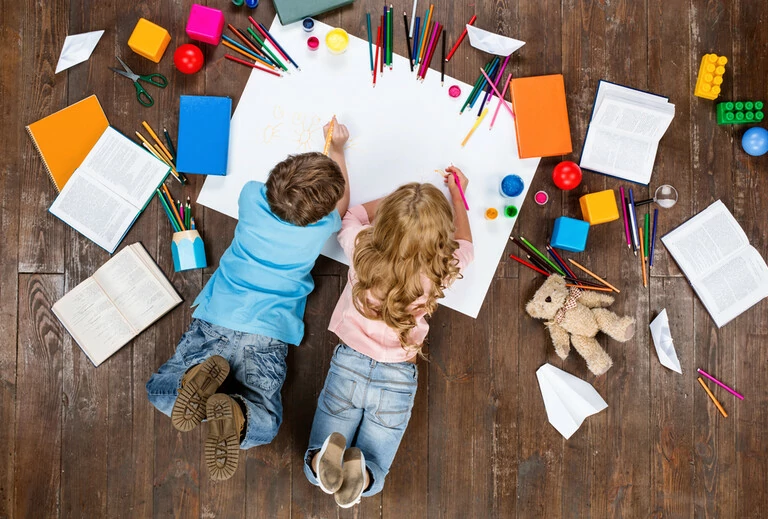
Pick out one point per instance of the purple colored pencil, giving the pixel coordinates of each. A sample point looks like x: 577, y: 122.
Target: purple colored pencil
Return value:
x: 429, y: 48
x: 653, y: 236
x: 713, y: 379
x: 624, y: 211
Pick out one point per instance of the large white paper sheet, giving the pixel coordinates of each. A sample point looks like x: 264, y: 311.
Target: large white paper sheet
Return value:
x: 401, y: 131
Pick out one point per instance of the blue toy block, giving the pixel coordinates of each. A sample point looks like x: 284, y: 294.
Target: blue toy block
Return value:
x: 570, y: 234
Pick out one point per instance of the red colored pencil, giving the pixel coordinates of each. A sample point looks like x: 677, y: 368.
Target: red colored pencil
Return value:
x: 243, y: 38
x: 268, y: 38
x: 553, y: 251
x: 537, y: 269
x: 378, y: 44
x: 432, y: 51
x: 461, y: 38
x: 252, y: 65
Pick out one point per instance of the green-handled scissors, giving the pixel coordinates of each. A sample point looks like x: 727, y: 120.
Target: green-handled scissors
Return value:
x: 142, y: 95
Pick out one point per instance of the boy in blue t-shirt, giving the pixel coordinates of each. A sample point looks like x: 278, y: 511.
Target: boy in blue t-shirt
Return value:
x: 253, y: 307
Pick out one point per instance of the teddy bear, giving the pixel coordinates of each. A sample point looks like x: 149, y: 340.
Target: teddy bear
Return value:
x: 574, y: 316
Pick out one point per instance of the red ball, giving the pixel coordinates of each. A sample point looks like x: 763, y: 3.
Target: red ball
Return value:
x: 188, y: 58
x: 566, y: 175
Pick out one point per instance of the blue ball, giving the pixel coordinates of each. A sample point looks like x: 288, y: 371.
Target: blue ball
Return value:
x: 755, y: 141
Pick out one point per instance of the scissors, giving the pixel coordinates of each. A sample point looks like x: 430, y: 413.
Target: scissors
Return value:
x: 142, y: 95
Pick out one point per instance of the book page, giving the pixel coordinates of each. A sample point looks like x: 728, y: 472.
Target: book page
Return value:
x: 606, y: 89
x: 124, y: 167
x: 619, y: 155
x: 93, y: 321
x: 135, y: 290
x: 633, y: 119
x: 94, y: 211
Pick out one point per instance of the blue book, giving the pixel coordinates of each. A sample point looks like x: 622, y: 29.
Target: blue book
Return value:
x: 203, y: 142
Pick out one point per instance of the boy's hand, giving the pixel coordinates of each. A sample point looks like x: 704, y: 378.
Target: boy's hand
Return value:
x: 450, y: 179
x: 340, y: 134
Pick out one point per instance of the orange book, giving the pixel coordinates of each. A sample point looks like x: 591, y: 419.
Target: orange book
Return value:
x: 64, y: 138
x: 541, y: 116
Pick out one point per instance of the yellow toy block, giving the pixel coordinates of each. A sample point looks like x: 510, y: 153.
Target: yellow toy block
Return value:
x: 710, y: 76
x: 599, y: 207
x: 149, y: 40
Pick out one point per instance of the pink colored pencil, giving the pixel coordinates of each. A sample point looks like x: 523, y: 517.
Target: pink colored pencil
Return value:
x: 501, y: 100
x: 429, y: 47
x: 431, y: 51
x: 713, y: 379
x: 461, y: 191
x: 497, y: 92
x: 624, y: 211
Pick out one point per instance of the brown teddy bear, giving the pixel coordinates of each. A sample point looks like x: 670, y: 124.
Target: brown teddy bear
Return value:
x: 575, y: 316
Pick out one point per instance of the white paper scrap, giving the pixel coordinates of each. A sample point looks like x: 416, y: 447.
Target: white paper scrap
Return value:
x: 662, y: 339
x: 77, y: 48
x: 491, y: 42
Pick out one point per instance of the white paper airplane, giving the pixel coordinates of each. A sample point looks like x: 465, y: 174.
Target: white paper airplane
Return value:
x: 491, y: 42
x: 662, y: 339
x: 568, y: 399
x: 77, y: 48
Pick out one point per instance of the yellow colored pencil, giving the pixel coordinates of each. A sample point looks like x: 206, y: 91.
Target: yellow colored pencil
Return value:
x: 601, y: 280
x: 477, y: 123
x: 717, y: 404
x: 154, y: 151
x: 329, y: 137
x: 157, y: 140
x: 642, y: 257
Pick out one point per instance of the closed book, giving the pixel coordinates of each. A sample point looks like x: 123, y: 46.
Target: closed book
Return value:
x: 541, y: 116
x: 203, y: 142
x: 290, y: 11
x: 65, y: 138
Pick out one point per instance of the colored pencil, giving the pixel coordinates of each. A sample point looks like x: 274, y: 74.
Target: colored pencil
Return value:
x: 461, y: 38
x: 168, y: 140
x: 408, y: 41
x: 429, y: 47
x: 474, y: 127
x: 188, y: 214
x: 461, y: 191
x: 383, y: 43
x: 370, y: 42
x: 595, y: 276
x: 391, y: 39
x: 256, y: 44
x: 154, y: 136
x: 562, y: 262
x: 442, y: 63
x: 542, y: 256
x: 480, y: 90
x: 154, y: 150
x: 384, y: 36
x: 588, y: 287
x: 376, y: 62
x: 647, y: 234
x: 717, y: 404
x: 329, y: 137
x: 642, y: 257
x: 653, y: 238
x: 624, y: 212
x: 231, y: 44
x: 713, y: 379
x: 192, y: 223
x: 556, y: 259
x: 423, y: 50
x: 474, y: 88
x: 275, y: 44
x: 532, y: 267
x: 252, y: 65
x: 431, y: 52
x: 167, y: 211
x: 415, y: 40
x: 501, y: 100
x: 493, y: 85
x: 180, y: 207
x: 267, y: 50
x: 413, y: 16
x: 421, y: 37
x: 532, y: 255
x: 244, y: 39
x: 495, y: 90
x: 173, y: 208
x: 633, y: 221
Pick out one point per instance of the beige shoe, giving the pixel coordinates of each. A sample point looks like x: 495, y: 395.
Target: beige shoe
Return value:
x: 197, y: 385
x: 222, y: 447
x: 329, y: 461
x: 354, y: 483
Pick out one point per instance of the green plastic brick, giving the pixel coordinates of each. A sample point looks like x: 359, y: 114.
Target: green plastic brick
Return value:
x: 740, y: 112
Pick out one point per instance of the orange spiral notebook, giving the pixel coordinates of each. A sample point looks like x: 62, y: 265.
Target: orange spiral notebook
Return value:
x: 64, y: 138
x: 541, y: 116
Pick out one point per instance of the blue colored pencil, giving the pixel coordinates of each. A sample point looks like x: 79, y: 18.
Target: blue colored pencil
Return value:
x: 415, y: 38
x: 370, y: 42
x: 653, y: 238
x: 274, y: 42
x: 484, y: 82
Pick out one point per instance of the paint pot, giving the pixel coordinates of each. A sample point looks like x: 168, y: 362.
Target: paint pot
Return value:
x: 454, y: 91
x: 308, y: 24
x: 491, y: 213
x: 510, y: 211
x: 313, y: 43
x: 541, y: 197
x: 337, y: 40
x: 511, y: 186
x: 252, y: 4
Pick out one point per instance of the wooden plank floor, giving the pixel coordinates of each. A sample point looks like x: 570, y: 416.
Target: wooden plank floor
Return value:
x: 76, y: 441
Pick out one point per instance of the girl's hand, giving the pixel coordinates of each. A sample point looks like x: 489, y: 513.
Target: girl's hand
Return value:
x: 451, y: 173
x: 340, y: 134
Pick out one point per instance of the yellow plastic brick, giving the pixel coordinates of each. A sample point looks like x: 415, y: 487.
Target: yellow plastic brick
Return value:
x: 710, y: 76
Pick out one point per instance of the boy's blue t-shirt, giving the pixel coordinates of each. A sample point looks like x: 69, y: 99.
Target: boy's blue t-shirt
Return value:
x: 263, y: 279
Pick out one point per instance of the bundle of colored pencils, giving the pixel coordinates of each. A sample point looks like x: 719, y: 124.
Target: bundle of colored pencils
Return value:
x: 639, y: 236
x: 160, y: 151
x: 178, y: 214
x: 259, y: 46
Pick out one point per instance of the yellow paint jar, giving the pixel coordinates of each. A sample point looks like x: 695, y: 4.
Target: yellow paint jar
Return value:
x: 337, y: 40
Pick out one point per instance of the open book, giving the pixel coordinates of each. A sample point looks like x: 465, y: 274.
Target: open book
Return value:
x: 624, y: 133
x: 126, y: 295
x: 727, y: 273
x: 110, y: 189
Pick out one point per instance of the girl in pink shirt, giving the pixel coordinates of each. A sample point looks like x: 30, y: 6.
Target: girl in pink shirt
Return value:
x: 405, y: 250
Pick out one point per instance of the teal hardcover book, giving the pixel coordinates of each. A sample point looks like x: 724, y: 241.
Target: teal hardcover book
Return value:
x: 291, y: 11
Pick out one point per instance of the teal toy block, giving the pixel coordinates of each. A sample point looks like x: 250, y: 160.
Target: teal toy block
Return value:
x: 569, y: 234
x: 740, y: 112
x: 188, y: 251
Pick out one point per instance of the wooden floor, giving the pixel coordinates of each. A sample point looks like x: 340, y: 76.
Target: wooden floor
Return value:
x: 76, y: 441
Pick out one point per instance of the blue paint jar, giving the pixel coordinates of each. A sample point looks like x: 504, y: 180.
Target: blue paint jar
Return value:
x: 511, y: 186
x: 308, y: 24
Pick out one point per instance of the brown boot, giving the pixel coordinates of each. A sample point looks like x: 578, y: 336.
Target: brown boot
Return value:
x: 222, y: 447
x: 197, y: 385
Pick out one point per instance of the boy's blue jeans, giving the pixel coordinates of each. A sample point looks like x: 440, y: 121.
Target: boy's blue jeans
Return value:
x: 370, y: 403
x: 257, y: 372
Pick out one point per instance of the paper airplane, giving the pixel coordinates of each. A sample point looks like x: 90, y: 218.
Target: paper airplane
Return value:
x: 662, y: 339
x: 77, y: 48
x: 568, y: 399
x: 491, y: 42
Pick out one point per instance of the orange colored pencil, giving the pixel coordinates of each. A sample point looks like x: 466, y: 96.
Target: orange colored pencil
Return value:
x: 601, y: 280
x: 717, y: 404
x: 252, y: 65
x: 426, y: 32
x: 248, y: 55
x: 587, y: 287
x: 642, y: 257
x: 175, y: 211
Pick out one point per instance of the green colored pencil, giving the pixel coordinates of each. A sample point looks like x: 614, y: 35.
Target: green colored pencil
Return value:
x: 267, y: 50
x: 167, y: 210
x: 391, y: 35
x: 477, y: 85
x: 542, y: 256
x: 647, y: 236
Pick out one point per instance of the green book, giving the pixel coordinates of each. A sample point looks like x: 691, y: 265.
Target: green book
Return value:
x: 290, y: 11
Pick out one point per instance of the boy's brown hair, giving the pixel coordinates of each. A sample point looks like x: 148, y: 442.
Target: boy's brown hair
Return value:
x: 304, y: 188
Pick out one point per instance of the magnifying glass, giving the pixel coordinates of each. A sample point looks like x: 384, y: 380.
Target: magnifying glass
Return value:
x: 665, y: 196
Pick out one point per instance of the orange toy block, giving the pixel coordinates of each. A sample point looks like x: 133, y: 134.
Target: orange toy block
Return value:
x: 710, y: 76
x: 149, y: 40
x: 599, y: 207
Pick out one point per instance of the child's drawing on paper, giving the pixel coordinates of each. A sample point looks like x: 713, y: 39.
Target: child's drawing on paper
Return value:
x: 304, y: 130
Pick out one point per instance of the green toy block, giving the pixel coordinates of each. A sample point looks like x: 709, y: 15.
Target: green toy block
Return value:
x: 740, y: 112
